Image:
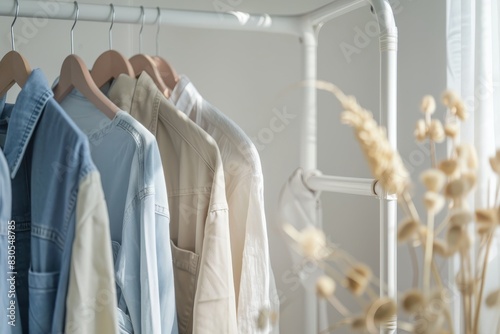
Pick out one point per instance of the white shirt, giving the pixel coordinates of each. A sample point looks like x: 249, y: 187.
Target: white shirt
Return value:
x: 253, y: 279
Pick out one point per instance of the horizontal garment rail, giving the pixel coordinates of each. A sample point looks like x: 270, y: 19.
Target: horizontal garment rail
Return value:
x: 346, y: 185
x: 132, y: 14
x: 230, y: 20
x: 333, y: 10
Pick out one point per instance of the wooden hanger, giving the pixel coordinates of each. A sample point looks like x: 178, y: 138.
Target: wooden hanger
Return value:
x: 167, y: 72
x: 110, y: 64
x: 74, y: 74
x: 144, y: 63
x: 14, y: 68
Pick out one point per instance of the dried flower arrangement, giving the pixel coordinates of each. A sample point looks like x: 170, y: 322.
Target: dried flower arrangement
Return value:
x: 448, y: 183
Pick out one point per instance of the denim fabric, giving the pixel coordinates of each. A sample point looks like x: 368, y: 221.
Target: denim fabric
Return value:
x: 8, y: 312
x: 5, y: 190
x: 128, y: 159
x: 48, y: 157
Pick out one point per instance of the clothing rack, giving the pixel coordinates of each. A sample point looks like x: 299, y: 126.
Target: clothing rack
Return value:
x: 307, y: 28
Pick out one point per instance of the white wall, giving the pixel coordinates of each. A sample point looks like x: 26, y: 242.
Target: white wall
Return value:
x: 243, y: 74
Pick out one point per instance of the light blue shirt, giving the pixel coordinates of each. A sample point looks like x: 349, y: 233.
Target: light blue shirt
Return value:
x: 127, y: 156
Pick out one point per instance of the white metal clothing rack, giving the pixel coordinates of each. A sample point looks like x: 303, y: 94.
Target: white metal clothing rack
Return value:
x: 307, y: 28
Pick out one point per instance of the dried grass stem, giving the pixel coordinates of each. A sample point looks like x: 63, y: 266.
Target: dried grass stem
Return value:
x: 441, y: 227
x: 410, y: 205
x: 449, y: 320
x: 432, y: 146
x: 339, y: 306
x: 497, y: 193
x: 414, y: 264
x: 483, y: 279
x: 435, y: 274
x: 465, y: 298
x: 428, y: 253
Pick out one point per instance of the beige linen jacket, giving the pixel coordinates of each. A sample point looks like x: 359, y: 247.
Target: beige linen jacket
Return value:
x: 199, y: 225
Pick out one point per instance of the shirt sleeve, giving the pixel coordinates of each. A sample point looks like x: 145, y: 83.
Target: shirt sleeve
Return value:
x: 164, y: 263
x: 91, y: 299
x: 250, y: 250
x: 157, y: 292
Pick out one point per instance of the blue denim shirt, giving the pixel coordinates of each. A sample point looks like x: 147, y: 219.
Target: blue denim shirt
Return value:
x: 128, y: 159
x: 48, y: 157
x: 5, y: 192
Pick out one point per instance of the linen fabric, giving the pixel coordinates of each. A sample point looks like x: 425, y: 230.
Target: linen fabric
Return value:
x: 91, y: 301
x: 254, y: 284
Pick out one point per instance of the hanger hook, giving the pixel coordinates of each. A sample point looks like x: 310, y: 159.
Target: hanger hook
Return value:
x: 13, y: 45
x: 111, y: 26
x: 74, y: 24
x: 143, y: 17
x: 158, y: 21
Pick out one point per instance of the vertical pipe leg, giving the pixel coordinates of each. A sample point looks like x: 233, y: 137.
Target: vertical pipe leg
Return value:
x: 388, y: 118
x: 308, y: 137
x: 388, y: 255
x: 308, y: 147
x: 388, y: 208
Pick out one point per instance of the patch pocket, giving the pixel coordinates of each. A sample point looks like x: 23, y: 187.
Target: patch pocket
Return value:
x: 42, y: 298
x: 185, y: 264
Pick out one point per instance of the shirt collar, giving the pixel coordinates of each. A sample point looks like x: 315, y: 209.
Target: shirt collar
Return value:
x: 141, y: 98
x: 24, y: 117
x: 185, y: 96
x: 121, y: 92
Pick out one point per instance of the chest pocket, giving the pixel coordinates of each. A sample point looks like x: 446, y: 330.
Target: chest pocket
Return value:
x: 186, y: 268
